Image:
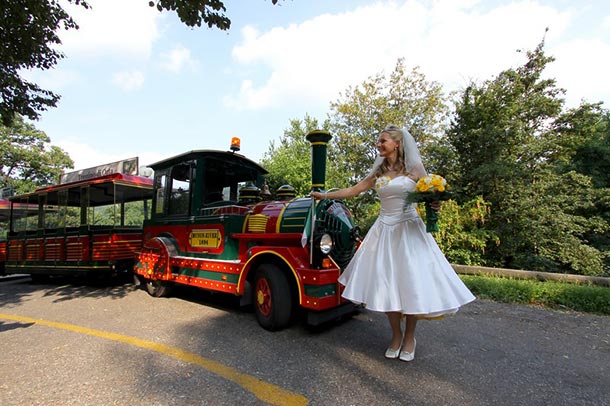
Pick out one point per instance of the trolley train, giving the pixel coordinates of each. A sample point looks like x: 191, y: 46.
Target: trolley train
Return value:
x: 204, y: 223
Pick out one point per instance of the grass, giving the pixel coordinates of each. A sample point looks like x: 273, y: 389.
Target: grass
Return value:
x: 582, y: 298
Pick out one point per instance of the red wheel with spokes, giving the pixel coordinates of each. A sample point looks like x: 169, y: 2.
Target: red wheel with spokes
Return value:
x: 153, y: 265
x: 273, y: 300
x: 263, y: 297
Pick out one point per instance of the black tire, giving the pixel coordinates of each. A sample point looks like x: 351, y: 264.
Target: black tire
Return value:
x: 157, y: 288
x: 272, y: 298
x: 137, y: 280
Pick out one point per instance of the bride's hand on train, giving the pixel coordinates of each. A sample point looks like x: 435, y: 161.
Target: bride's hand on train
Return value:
x: 318, y: 195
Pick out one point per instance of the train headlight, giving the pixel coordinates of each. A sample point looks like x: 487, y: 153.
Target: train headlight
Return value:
x: 326, y: 243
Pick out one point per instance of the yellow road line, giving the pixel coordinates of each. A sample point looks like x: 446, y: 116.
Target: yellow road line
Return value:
x: 266, y: 392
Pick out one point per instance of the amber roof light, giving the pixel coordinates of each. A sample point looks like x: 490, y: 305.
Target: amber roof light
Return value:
x: 235, y: 144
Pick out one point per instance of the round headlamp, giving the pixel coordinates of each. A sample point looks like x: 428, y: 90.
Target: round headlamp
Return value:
x: 326, y: 243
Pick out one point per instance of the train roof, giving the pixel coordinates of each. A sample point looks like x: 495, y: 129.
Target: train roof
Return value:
x: 125, y: 188
x: 22, y: 209
x: 225, y: 156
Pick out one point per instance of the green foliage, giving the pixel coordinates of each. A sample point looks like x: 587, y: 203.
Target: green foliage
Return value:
x: 501, y: 128
x: 29, y: 38
x: 367, y: 214
x: 137, y: 212
x: 584, y: 298
x: 562, y: 228
x: 584, y: 145
x: 111, y: 215
x: 401, y: 98
x: 462, y: 236
x: 516, y: 149
x: 63, y: 216
x: 544, y: 230
x: 289, y: 163
x: 27, y: 161
x: 194, y: 12
x: 531, y: 181
x: 586, y: 132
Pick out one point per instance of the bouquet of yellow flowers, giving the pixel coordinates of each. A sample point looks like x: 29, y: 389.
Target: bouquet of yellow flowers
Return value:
x: 428, y: 189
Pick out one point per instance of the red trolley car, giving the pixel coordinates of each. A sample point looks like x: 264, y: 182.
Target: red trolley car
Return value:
x: 209, y: 227
x: 81, y: 227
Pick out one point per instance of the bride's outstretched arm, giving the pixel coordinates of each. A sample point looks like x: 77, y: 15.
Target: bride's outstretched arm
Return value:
x: 352, y: 191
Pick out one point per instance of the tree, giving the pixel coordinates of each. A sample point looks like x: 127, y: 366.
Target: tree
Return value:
x: 27, y: 160
x: 356, y: 122
x: 510, y: 143
x: 28, y: 34
x: 462, y: 237
x: 401, y: 98
x: 289, y: 163
x: 502, y: 128
x: 586, y: 142
x: 194, y: 12
x: 587, y: 146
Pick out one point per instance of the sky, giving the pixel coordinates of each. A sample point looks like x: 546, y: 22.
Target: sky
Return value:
x: 139, y: 83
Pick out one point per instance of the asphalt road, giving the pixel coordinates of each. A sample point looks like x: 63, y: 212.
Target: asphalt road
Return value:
x: 68, y: 343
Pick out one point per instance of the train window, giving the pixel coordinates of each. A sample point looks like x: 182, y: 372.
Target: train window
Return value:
x: 179, y: 203
x: 223, y: 178
x: 160, y: 185
x: 24, y: 220
x: 226, y: 193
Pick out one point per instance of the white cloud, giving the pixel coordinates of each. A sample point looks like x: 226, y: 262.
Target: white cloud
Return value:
x: 579, y: 68
x: 178, y: 59
x: 128, y: 81
x: 115, y: 28
x: 85, y: 156
x: 451, y: 41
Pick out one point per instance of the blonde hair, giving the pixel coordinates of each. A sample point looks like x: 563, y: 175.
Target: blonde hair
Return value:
x: 397, y: 134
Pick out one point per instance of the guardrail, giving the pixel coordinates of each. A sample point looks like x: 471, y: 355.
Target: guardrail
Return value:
x: 522, y: 274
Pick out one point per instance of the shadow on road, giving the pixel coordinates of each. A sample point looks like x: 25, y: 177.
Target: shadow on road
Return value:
x: 4, y: 326
x: 63, y: 288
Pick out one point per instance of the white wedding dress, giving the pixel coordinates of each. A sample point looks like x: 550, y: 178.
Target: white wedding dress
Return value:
x: 399, y: 267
